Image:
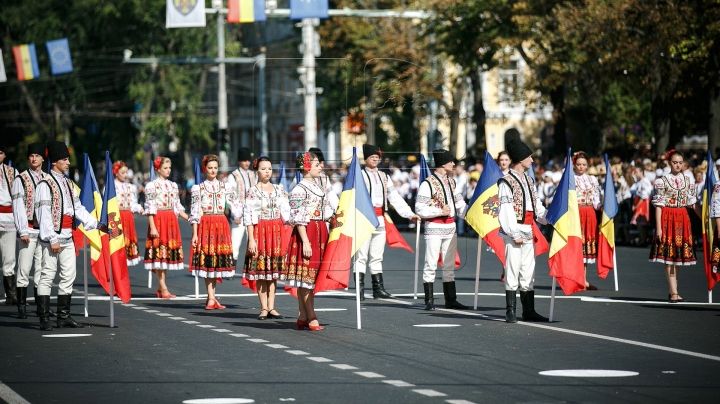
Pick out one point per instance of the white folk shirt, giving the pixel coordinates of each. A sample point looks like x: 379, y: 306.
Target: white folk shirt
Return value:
x: 323, y: 181
x: 715, y: 202
x: 247, y: 180
x: 162, y: 194
x: 263, y: 205
x: 43, y: 213
x: 7, y: 176
x: 679, y: 194
x: 510, y: 229
x: 382, y: 192
x: 588, y: 191
x: 19, y: 211
x: 309, y: 202
x: 427, y: 207
x: 643, y: 188
x: 210, y: 198
x: 126, y: 194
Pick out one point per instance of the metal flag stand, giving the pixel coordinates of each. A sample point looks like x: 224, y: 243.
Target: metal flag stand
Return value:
x: 552, y: 299
x: 85, y: 265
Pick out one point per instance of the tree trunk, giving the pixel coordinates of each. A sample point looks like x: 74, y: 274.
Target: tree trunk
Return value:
x: 557, y: 97
x: 457, y: 94
x: 714, y: 124
x: 370, y: 115
x: 661, y: 123
x: 478, y: 109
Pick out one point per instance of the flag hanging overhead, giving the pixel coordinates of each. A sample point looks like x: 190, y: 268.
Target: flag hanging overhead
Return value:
x: 185, y: 13
x: 566, y: 256
x: 59, y: 52
x: 711, y: 253
x: 240, y: 11
x: 606, y: 239
x: 300, y: 9
x: 26, y: 62
x: 484, y: 208
x: 3, y: 76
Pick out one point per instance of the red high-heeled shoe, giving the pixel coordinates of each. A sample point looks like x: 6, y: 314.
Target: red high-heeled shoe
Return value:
x: 209, y: 306
x: 158, y: 293
x: 168, y: 295
x: 314, y: 327
x: 219, y: 306
x: 301, y: 324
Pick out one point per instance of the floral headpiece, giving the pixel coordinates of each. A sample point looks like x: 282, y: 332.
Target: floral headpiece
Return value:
x: 306, y: 161
x: 575, y: 156
x: 669, y: 154
x: 116, y: 167
x: 157, y: 163
x: 255, y: 164
x: 203, y: 165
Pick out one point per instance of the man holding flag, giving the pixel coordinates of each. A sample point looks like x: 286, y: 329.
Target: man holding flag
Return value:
x: 382, y: 191
x: 438, y: 203
x: 57, y: 206
x: 519, y: 208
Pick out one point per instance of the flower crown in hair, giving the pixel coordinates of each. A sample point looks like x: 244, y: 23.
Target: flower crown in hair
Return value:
x: 255, y: 164
x: 116, y: 167
x: 306, y: 162
x: 575, y: 157
x: 203, y: 165
x: 669, y: 153
x: 157, y: 163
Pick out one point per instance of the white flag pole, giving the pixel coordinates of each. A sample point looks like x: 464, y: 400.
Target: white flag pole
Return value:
x: 112, y: 294
x: 197, y: 287
x: 477, y: 272
x: 709, y: 296
x: 85, y: 263
x: 357, y: 296
x: 552, y: 299
x: 417, y: 255
x: 150, y: 279
x: 615, y: 267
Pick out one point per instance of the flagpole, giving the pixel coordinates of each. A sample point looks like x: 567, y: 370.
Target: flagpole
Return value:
x: 357, y: 295
x: 197, y: 287
x: 477, y: 272
x: 615, y: 267
x: 417, y: 255
x: 112, y: 291
x: 709, y: 296
x: 85, y: 261
x: 552, y: 299
x: 150, y: 279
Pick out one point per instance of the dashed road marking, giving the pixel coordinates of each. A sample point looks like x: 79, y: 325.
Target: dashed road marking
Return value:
x: 588, y: 373
x: 205, y: 326
x: 343, y: 366
x: 163, y: 314
x: 176, y: 318
x: 319, y: 359
x: 128, y: 304
x: 429, y: 393
x: 152, y: 311
x: 276, y: 346
x: 239, y: 335
x: 436, y: 325
x: 459, y: 402
x: 191, y: 322
x: 398, y: 383
x: 257, y: 340
x: 66, y: 335
x: 294, y: 352
x: 221, y: 330
x: 140, y: 308
x: 370, y: 375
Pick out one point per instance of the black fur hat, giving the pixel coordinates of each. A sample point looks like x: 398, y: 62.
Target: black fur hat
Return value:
x: 36, y: 148
x: 517, y: 150
x: 56, y: 150
x: 442, y: 157
x: 244, y: 154
x: 370, y: 150
x: 318, y: 153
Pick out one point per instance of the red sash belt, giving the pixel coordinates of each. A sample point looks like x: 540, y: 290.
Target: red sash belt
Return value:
x: 6, y: 209
x: 529, y: 217
x: 379, y: 211
x: 66, y: 222
x: 442, y: 219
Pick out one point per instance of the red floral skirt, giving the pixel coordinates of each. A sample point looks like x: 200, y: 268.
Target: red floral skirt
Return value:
x: 715, y: 254
x: 271, y: 258
x: 164, y: 252
x: 676, y: 244
x: 302, y: 272
x: 131, y: 240
x: 212, y: 257
x: 589, y: 224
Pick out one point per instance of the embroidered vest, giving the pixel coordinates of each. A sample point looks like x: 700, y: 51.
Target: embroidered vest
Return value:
x: 437, y: 191
x: 383, y: 184
x: 217, y: 201
x: 519, y: 195
x: 57, y: 202
x: 8, y: 174
x: 28, y: 182
x: 242, y: 187
x: 677, y: 197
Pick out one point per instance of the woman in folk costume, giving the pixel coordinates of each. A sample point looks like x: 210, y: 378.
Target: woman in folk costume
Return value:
x: 266, y: 210
x: 641, y: 203
x: 211, y: 255
x: 127, y: 201
x: 673, y: 244
x: 163, y: 248
x: 310, y: 208
x: 589, y: 202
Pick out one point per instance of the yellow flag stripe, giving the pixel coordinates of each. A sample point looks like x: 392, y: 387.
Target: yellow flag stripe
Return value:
x: 247, y: 11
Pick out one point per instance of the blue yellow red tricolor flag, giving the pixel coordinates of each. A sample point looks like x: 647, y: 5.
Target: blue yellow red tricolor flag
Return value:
x: 91, y: 200
x: 566, y: 256
x: 26, y: 62
x: 354, y: 223
x: 113, y: 243
x: 712, y: 274
x: 246, y: 11
x: 606, y: 238
x: 484, y: 208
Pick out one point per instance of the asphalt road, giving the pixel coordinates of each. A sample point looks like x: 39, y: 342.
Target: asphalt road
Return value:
x: 171, y: 351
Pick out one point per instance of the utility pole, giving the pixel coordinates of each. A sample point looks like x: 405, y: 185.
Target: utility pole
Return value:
x: 222, y: 90
x: 310, y: 50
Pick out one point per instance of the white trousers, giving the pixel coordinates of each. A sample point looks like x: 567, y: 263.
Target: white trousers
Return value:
x: 239, y: 236
x: 65, y: 261
x: 520, y: 266
x: 371, y: 253
x: 7, y: 251
x: 29, y: 253
x: 433, y: 248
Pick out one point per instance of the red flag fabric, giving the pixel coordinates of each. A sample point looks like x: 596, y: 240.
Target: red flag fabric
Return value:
x: 121, y: 278
x: 457, y: 259
x: 605, y: 256
x: 393, y: 237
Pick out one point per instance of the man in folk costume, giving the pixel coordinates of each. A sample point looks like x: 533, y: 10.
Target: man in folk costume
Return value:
x: 23, y: 191
x: 438, y: 202
x: 520, y: 207
x: 241, y: 180
x: 7, y: 229
x: 323, y: 180
x: 382, y: 191
x: 57, y: 207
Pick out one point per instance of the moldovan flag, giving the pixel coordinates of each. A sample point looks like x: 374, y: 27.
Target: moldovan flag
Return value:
x: 392, y: 235
x: 113, y: 243
x: 185, y: 13
x: 26, y: 62
x: 708, y: 226
x: 566, y: 256
x: 246, y: 11
x: 300, y: 9
x: 355, y: 221
x: 606, y: 241
x: 91, y: 200
x: 484, y: 208
x: 3, y: 76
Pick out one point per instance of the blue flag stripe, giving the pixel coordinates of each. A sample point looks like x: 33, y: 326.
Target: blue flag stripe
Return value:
x: 311, y: 9
x: 610, y: 205
x: 363, y: 203
x: 109, y: 188
x: 489, y: 177
x: 89, y: 187
x: 198, y: 176
x: 559, y: 205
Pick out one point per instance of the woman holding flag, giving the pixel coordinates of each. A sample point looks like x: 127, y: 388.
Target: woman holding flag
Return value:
x: 674, y: 244
x: 266, y: 210
x: 310, y: 207
x: 163, y: 248
x: 126, y: 194
x: 589, y: 202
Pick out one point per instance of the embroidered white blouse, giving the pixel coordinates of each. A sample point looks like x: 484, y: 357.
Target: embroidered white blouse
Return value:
x: 19, y: 211
x: 679, y: 194
x: 588, y: 191
x: 7, y: 175
x: 263, y: 205
x: 510, y: 229
x: 309, y: 202
x: 127, y: 197
x: 161, y: 194
x: 715, y: 201
x: 380, y: 189
x: 425, y: 207
x: 210, y: 198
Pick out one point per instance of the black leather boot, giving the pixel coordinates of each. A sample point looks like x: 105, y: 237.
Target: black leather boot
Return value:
x: 44, y: 310
x: 510, y: 304
x: 63, y: 316
x: 10, y: 290
x: 379, y: 288
x: 528, y: 304
x: 451, y: 297
x: 52, y: 313
x: 361, y: 285
x: 429, y: 298
x: 22, y: 299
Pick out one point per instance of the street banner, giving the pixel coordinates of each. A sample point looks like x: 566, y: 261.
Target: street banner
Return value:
x: 26, y: 62
x: 300, y: 9
x: 242, y: 11
x: 185, y: 13
x: 60, y: 59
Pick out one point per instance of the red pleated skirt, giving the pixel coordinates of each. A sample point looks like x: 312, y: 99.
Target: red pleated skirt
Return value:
x: 302, y: 272
x: 271, y: 258
x: 676, y: 246
x: 131, y: 240
x: 589, y: 224
x: 212, y: 256
x: 642, y: 210
x: 715, y: 254
x: 164, y: 252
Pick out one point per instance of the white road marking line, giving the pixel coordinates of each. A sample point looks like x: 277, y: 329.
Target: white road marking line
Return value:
x: 220, y: 401
x: 319, y: 359
x: 10, y: 396
x: 128, y: 304
x: 398, y: 383
x: 152, y: 311
x: 191, y: 322
x: 370, y: 375
x: 221, y: 330
x: 256, y: 340
x: 330, y: 309
x: 297, y: 352
x: 429, y: 393
x: 588, y: 373
x: 342, y: 366
x: 140, y: 308
x: 176, y: 318
x: 436, y: 325
x: 239, y: 335
x: 66, y: 335
x: 205, y: 326
x: 276, y: 346
x: 163, y: 314
x: 596, y: 299
x: 459, y: 402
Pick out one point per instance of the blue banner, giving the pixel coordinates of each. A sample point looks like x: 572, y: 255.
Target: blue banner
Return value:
x: 60, y: 60
x: 259, y: 10
x: 300, y: 9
